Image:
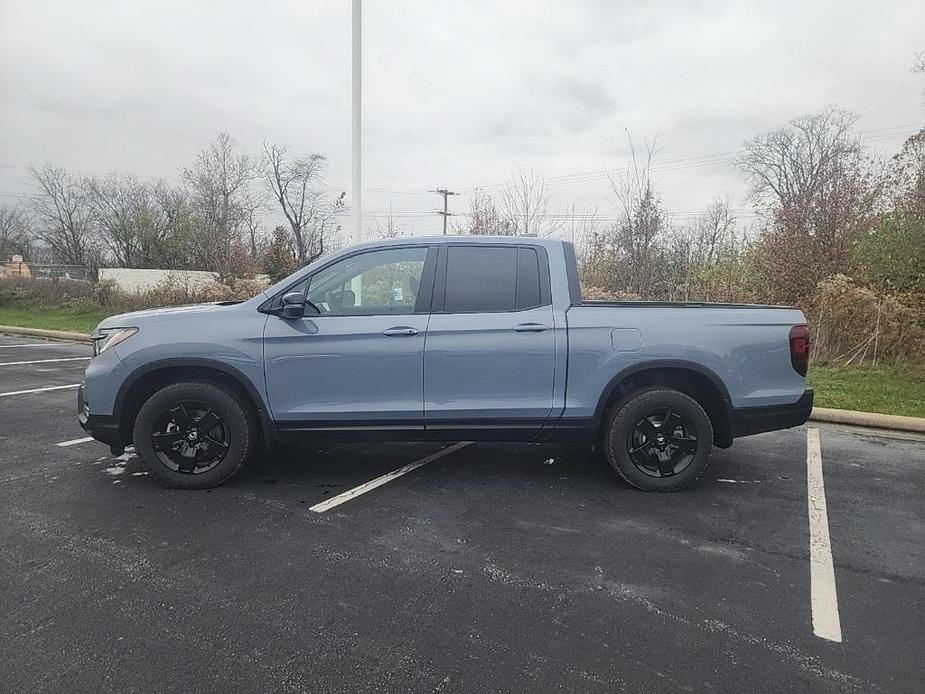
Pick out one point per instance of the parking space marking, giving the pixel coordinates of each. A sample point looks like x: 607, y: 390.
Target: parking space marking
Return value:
x: 328, y: 504
x: 824, y: 599
x: 42, y: 361
x: 38, y: 390
x: 34, y: 344
x: 74, y: 442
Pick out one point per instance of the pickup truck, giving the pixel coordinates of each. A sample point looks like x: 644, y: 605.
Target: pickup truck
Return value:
x: 446, y: 338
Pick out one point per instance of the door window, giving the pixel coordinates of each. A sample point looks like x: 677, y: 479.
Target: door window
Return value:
x: 369, y: 284
x: 482, y: 279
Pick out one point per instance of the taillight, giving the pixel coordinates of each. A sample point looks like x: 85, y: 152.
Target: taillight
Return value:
x: 799, y: 348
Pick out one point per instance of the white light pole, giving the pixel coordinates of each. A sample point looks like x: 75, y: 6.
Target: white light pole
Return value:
x: 357, y: 103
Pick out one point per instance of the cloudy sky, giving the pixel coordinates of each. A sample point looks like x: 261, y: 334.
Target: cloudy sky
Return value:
x: 456, y: 93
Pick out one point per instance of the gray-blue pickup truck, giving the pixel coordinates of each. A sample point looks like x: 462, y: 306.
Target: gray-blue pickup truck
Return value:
x: 446, y: 338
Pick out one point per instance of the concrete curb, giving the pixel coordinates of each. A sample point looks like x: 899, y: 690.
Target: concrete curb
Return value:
x: 868, y: 419
x: 47, y: 334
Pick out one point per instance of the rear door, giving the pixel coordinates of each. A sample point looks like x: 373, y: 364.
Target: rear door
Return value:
x: 489, y: 357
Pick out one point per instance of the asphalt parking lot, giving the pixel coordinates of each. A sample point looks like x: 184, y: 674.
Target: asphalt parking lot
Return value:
x: 489, y: 568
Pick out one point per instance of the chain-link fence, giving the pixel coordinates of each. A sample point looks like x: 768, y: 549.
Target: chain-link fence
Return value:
x: 50, y: 271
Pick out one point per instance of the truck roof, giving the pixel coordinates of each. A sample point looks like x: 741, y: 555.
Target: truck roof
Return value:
x: 405, y: 240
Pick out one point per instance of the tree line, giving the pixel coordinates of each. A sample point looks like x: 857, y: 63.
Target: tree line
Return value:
x: 211, y: 219
x: 823, y: 208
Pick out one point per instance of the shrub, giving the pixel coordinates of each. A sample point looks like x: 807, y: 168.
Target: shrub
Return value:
x: 854, y: 325
x: 79, y: 296
x: 59, y: 293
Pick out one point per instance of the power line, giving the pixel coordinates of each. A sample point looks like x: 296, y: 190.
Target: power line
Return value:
x: 704, y: 160
x: 696, y: 161
x: 878, y: 134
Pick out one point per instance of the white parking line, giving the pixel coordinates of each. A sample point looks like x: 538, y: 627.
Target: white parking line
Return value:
x: 74, y: 442
x: 824, y: 599
x: 34, y: 344
x: 328, y: 504
x: 42, y: 361
x: 38, y: 390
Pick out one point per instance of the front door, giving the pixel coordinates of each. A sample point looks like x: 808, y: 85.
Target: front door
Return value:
x: 354, y: 361
x: 489, y: 361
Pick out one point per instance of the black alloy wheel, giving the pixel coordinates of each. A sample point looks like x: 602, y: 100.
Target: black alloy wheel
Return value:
x: 195, y: 434
x: 658, y: 439
x: 662, y: 444
x: 190, y: 438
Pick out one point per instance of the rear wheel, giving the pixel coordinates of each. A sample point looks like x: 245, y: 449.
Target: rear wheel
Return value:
x: 658, y: 439
x: 194, y: 435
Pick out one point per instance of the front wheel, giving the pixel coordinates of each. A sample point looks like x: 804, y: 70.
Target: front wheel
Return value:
x: 658, y: 440
x: 194, y: 435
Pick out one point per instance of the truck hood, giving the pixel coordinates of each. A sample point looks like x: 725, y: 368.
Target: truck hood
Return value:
x: 124, y: 320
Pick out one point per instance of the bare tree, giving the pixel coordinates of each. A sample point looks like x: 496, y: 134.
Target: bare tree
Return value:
x: 121, y: 206
x: 579, y: 228
x: 254, y: 207
x: 712, y: 230
x: 525, y: 204
x: 62, y: 213
x: 822, y: 195
x: 641, y: 220
x: 140, y: 223
x: 179, y: 222
x: 220, y: 195
x: 391, y: 229
x: 14, y: 232
x: 296, y: 185
x: 484, y: 218
x: 789, y: 165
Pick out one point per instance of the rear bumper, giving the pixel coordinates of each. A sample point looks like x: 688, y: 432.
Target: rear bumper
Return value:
x: 103, y: 428
x: 745, y: 421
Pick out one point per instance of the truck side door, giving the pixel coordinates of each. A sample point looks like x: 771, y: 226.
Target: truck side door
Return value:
x: 353, y: 362
x: 489, y: 357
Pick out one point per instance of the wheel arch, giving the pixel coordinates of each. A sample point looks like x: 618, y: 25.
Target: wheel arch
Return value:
x: 148, y: 379
x: 695, y: 380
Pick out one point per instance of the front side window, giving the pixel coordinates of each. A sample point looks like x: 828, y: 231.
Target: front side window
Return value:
x: 369, y: 284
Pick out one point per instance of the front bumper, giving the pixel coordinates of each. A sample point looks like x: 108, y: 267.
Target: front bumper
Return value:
x: 744, y: 421
x: 103, y: 428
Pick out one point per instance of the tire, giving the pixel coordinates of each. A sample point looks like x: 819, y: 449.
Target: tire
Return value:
x: 224, y: 439
x: 658, y: 439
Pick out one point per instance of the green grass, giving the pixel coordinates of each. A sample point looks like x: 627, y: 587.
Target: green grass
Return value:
x: 51, y: 319
x: 898, y: 390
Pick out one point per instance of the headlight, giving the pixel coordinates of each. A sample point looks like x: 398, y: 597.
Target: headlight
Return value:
x: 110, y: 337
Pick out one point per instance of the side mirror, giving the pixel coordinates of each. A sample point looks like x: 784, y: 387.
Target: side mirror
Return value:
x: 293, y: 305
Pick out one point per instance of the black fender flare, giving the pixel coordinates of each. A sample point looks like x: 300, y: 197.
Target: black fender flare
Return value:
x: 239, y: 377
x: 649, y: 365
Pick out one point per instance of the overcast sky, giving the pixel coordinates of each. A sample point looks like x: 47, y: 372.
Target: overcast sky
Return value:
x: 456, y: 93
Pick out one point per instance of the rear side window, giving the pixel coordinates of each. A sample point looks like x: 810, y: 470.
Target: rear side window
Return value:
x: 482, y: 279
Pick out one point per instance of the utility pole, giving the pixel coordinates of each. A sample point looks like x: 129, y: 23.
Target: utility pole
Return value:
x: 445, y: 213
x: 357, y: 103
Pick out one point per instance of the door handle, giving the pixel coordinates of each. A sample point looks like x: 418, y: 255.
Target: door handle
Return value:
x: 529, y: 328
x: 400, y: 331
